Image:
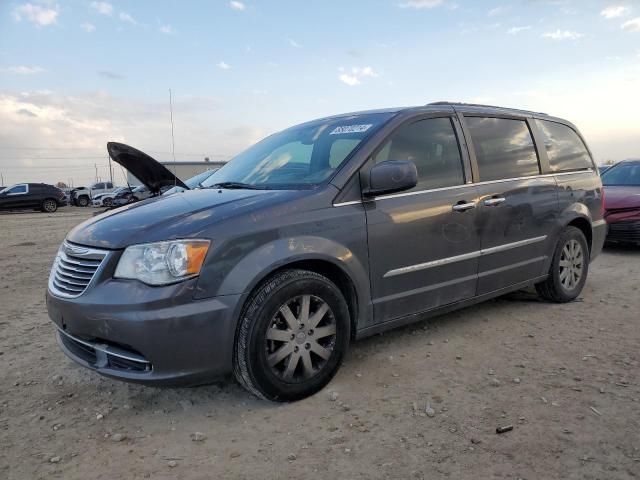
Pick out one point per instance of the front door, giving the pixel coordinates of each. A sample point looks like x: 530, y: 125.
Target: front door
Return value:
x: 16, y: 197
x: 423, y: 246
x: 517, y: 208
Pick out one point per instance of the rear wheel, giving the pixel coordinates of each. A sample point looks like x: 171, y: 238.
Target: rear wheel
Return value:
x: 83, y: 201
x: 569, y: 268
x: 49, y: 205
x: 292, y: 336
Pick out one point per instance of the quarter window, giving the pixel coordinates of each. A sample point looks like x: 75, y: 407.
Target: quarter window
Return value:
x: 565, y: 149
x: 432, y: 146
x: 504, y: 148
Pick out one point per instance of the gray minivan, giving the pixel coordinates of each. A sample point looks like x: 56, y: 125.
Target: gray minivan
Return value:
x: 326, y: 232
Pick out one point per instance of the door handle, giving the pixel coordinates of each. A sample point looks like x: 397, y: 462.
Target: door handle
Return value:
x: 464, y: 206
x: 494, y: 201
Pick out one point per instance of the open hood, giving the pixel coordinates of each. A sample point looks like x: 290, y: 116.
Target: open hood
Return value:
x: 150, y: 172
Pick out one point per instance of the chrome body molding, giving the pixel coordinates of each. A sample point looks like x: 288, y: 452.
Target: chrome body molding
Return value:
x: 107, y: 349
x: 460, y: 258
x: 502, y: 180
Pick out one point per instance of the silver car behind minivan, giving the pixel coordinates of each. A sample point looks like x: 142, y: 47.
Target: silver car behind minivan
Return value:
x: 323, y: 233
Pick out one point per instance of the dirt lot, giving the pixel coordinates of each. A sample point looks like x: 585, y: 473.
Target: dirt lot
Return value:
x: 565, y: 376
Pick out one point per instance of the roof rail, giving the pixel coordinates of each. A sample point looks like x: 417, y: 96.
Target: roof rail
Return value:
x: 484, y: 106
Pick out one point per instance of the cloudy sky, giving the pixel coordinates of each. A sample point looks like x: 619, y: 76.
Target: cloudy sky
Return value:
x: 76, y: 74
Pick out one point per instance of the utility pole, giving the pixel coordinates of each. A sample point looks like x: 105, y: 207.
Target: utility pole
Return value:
x: 110, y: 170
x: 96, y: 167
x: 1, y: 179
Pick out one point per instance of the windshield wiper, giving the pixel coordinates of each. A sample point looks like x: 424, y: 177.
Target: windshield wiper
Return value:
x: 238, y: 185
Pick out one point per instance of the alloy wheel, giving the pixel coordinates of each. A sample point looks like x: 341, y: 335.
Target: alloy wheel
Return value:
x: 49, y: 206
x: 571, y: 264
x: 300, y: 338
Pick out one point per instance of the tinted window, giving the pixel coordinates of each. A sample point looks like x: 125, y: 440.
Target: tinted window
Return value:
x: 432, y: 146
x: 504, y: 148
x: 18, y: 189
x: 565, y: 149
x: 98, y: 186
x: 109, y: 185
x: 622, y: 174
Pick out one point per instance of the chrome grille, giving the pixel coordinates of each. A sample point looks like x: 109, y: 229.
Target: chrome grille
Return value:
x: 74, y: 269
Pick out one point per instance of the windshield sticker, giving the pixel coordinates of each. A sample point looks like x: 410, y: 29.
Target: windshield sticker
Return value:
x: 351, y: 129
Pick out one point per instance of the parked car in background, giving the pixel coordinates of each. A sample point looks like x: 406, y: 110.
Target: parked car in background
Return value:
x: 106, y: 199
x: 193, y: 182
x: 135, y: 194
x: 32, y: 196
x: 335, y: 229
x: 622, y: 202
x: 82, y: 196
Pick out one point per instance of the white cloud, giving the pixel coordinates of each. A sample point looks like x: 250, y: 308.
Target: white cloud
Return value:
x: 22, y: 70
x: 103, y: 8
x: 88, y: 27
x: 223, y: 65
x: 615, y: 11
x: 418, y: 4
x: 72, y: 125
x: 497, y: 11
x: 350, y: 80
x: 563, y: 35
x: 355, y: 75
x: 632, y: 25
x: 41, y: 15
x: 125, y: 17
x: 516, y: 30
x: 293, y: 43
x: 237, y: 5
x: 166, y: 29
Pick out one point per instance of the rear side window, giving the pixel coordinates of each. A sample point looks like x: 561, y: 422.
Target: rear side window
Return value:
x: 565, y: 149
x: 432, y: 146
x: 504, y: 148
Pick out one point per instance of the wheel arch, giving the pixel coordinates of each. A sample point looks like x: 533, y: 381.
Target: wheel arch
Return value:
x: 327, y: 268
x: 584, y: 225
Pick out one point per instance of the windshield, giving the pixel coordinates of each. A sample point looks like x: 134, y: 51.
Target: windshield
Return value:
x: 300, y: 156
x: 139, y: 188
x: 622, y: 174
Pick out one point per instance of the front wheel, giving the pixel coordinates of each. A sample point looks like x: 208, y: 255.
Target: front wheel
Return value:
x: 569, y: 268
x: 107, y: 202
x: 292, y: 336
x: 83, y: 201
x: 49, y: 205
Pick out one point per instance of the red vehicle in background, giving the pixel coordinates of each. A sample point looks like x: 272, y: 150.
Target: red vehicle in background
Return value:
x: 622, y: 202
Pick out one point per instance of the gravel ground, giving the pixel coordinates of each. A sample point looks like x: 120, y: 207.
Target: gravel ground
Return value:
x: 419, y: 402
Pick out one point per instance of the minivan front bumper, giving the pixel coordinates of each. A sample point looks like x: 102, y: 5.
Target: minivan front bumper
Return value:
x: 154, y: 335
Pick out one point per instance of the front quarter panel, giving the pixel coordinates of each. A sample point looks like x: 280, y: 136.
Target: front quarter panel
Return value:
x: 265, y: 241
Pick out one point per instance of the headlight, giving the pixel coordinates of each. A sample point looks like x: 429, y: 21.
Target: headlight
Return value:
x: 163, y: 263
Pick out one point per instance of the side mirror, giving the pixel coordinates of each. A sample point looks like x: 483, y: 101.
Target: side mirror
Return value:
x: 391, y: 176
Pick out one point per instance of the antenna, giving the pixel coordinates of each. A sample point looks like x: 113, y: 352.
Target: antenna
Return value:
x: 173, y: 142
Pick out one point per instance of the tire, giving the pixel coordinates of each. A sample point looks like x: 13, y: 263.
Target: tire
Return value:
x: 49, y: 205
x: 83, y: 201
x: 133, y: 199
x: 270, y: 336
x: 571, y: 255
x: 107, y: 202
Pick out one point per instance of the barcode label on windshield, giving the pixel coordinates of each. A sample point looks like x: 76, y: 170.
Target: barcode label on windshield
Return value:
x: 351, y: 129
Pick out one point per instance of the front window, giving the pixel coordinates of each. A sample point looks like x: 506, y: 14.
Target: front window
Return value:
x: 622, y: 174
x: 301, y: 156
